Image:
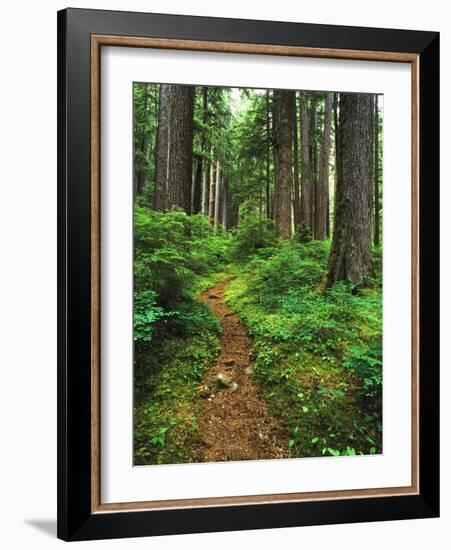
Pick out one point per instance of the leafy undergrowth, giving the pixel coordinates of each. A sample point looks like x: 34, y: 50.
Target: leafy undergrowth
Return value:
x: 318, y: 356
x: 176, y: 258
x: 166, y: 400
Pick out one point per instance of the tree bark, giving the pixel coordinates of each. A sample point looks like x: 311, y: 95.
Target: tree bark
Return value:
x: 283, y: 140
x: 211, y: 195
x: 376, y: 172
x: 350, y: 256
x: 275, y: 115
x: 162, y: 148
x: 313, y: 155
x: 328, y: 216
x: 306, y: 189
x: 197, y: 194
x: 260, y: 193
x: 217, y: 195
x: 268, y: 167
x: 322, y: 194
x: 296, y: 197
x: 224, y: 202
x: 336, y: 147
x: 181, y: 147
x: 144, y: 146
x: 205, y: 171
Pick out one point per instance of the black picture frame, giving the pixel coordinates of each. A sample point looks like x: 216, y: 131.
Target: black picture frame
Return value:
x: 75, y: 518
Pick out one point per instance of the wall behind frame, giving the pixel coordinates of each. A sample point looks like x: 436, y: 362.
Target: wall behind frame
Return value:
x: 28, y: 275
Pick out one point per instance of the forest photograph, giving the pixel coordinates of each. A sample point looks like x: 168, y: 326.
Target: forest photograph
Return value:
x: 257, y: 274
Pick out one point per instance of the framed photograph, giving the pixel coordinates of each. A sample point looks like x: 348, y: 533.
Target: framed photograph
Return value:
x: 248, y: 274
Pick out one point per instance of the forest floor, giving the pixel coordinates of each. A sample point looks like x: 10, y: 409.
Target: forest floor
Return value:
x: 235, y: 422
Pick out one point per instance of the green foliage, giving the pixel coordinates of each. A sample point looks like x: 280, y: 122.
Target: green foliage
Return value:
x: 318, y: 355
x: 191, y: 318
x: 145, y: 106
x: 145, y: 315
x: 253, y: 234
x: 174, y: 255
x: 251, y: 149
x: 366, y: 361
x: 303, y: 234
x: 172, y: 249
x: 293, y: 266
x: 162, y: 254
x: 176, y: 336
x: 166, y: 399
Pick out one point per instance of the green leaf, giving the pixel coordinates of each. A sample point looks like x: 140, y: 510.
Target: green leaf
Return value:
x: 333, y: 452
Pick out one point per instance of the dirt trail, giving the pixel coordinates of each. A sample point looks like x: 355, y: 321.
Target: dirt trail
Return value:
x: 235, y: 422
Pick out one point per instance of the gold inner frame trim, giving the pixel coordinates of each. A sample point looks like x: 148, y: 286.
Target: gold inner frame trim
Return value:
x: 97, y: 41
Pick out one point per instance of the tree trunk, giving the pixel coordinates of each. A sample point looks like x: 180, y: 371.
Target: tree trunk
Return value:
x: 181, y: 146
x: 224, y: 202
x: 197, y: 194
x: 217, y: 195
x: 162, y: 148
x: 275, y: 115
x: 205, y: 171
x: 350, y: 256
x: 336, y: 147
x: 268, y: 167
x: 322, y: 194
x: 328, y: 216
x: 144, y: 146
x: 313, y: 154
x: 296, y: 203
x: 306, y: 189
x: 260, y: 194
x: 283, y: 140
x: 376, y: 172
x: 211, y: 196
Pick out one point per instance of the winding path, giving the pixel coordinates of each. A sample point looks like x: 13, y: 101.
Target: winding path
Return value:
x: 234, y: 422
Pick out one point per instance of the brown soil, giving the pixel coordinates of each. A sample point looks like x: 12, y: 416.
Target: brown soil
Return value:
x: 234, y: 422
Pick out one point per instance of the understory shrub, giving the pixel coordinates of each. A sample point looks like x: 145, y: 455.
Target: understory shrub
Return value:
x: 318, y: 355
x: 173, y: 254
x: 292, y: 267
x: 366, y: 361
x: 253, y: 234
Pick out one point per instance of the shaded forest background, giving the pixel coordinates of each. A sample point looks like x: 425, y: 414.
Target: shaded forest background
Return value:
x: 279, y: 193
